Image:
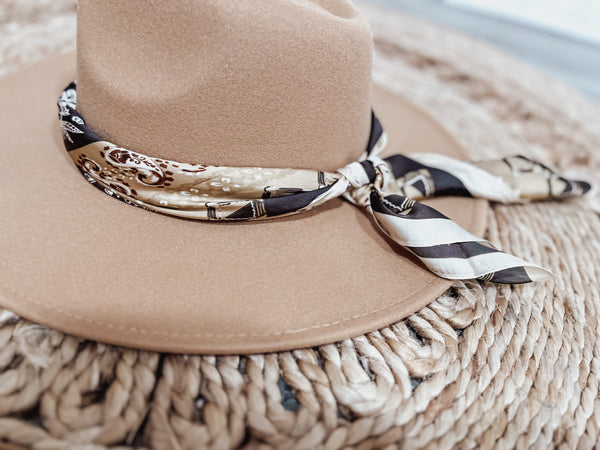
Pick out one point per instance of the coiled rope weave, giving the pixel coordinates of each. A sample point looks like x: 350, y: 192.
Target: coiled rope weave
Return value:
x: 482, y: 366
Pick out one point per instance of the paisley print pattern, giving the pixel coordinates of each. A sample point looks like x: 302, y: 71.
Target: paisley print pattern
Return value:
x: 388, y: 188
x: 142, y: 167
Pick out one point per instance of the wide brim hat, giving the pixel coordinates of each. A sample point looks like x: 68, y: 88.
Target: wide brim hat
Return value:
x: 484, y: 365
x: 86, y: 264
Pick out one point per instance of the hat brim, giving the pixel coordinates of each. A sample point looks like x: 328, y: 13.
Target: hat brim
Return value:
x: 81, y: 262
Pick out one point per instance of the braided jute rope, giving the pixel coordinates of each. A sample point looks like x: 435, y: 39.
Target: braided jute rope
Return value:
x: 483, y: 366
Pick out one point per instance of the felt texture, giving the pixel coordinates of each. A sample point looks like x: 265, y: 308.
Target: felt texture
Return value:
x: 81, y: 262
x: 262, y: 83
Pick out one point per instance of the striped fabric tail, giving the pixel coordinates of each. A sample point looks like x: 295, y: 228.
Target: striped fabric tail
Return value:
x: 513, y: 179
x: 444, y: 247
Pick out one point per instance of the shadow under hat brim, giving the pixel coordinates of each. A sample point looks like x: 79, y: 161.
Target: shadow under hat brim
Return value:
x: 81, y: 262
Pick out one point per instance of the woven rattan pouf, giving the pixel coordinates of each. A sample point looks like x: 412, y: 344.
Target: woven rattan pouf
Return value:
x: 482, y: 366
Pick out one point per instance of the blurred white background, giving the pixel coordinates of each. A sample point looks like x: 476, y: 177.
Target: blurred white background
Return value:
x: 578, y: 19
x: 561, y: 37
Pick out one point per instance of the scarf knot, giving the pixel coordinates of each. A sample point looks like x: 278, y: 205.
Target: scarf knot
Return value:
x: 388, y: 189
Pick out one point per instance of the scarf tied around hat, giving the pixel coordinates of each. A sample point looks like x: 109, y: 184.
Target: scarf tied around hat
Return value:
x: 388, y: 188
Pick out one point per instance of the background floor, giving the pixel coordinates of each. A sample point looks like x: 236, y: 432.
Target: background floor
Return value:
x: 567, y: 49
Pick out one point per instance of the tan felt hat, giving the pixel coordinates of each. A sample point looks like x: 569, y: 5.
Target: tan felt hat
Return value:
x: 263, y: 83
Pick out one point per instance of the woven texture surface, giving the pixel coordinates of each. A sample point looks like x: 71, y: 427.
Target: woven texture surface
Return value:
x: 483, y: 366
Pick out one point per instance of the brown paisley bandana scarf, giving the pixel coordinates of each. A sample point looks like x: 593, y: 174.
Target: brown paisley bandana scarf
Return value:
x: 388, y: 188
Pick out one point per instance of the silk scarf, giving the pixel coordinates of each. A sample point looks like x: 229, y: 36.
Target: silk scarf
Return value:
x: 388, y: 188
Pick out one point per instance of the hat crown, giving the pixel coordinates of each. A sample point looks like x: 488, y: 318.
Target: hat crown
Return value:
x: 267, y: 83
